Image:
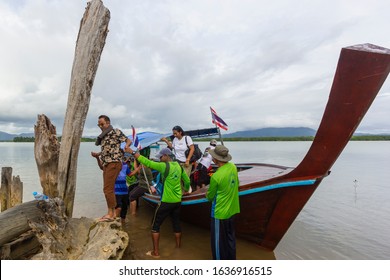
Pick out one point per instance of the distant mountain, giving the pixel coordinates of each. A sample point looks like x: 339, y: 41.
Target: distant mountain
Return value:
x: 274, y: 132
x: 4, y: 136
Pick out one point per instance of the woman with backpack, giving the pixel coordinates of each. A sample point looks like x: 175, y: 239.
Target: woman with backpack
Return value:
x: 179, y: 145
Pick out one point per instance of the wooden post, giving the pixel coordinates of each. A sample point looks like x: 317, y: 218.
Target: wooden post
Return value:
x: 6, y: 181
x: 89, y: 46
x: 11, y: 189
x: 16, y: 191
x: 46, y: 152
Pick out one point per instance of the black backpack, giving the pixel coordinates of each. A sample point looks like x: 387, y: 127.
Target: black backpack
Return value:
x: 197, y: 152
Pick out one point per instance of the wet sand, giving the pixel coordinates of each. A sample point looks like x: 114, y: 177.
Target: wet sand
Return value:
x: 195, y: 241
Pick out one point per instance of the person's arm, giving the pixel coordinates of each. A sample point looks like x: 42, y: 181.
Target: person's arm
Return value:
x: 159, y: 166
x: 212, y: 191
x: 191, y: 152
x: 97, y: 155
x: 169, y: 143
x: 128, y: 143
x: 135, y: 170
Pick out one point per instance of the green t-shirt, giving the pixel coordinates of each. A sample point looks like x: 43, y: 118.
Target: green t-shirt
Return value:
x: 131, y: 180
x: 172, y: 185
x: 223, y: 192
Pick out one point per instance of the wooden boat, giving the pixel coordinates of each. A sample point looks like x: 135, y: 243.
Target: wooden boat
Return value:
x: 272, y: 196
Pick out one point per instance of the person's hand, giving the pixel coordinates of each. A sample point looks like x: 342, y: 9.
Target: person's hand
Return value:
x: 153, y: 189
x: 187, y: 163
x: 94, y: 154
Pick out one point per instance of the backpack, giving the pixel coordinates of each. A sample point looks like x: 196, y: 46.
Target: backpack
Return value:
x: 197, y: 152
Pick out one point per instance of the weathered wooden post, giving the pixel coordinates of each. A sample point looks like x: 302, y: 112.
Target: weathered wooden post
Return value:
x: 6, y: 177
x: 46, y: 151
x: 16, y: 191
x: 11, y: 191
x: 89, y: 46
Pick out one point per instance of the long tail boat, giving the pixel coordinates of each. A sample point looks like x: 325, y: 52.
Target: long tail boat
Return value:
x: 271, y: 196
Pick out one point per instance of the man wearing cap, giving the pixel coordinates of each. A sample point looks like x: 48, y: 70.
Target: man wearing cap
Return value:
x: 172, y: 174
x: 223, y: 193
x: 213, y: 143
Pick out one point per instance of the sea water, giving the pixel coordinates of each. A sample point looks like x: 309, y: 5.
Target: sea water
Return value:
x: 346, y: 218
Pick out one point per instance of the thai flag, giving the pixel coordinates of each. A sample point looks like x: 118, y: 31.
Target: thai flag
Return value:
x: 217, y: 120
x: 136, y: 143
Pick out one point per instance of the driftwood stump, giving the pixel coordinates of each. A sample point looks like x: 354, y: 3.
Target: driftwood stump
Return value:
x: 46, y: 151
x: 41, y: 225
x: 11, y: 191
x: 14, y: 221
x: 65, y: 238
x: 90, y: 42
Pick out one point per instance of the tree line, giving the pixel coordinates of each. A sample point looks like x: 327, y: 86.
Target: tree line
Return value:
x: 32, y: 139
x: 296, y: 138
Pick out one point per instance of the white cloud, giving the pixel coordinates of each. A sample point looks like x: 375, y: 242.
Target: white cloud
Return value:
x: 256, y: 63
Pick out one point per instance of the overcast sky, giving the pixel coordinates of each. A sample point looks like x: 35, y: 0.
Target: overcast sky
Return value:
x: 257, y: 63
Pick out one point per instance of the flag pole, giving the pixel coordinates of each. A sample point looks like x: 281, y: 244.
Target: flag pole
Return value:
x: 219, y: 133
x: 213, y: 115
x: 146, y: 179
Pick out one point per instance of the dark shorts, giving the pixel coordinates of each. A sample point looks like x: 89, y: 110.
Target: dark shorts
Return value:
x: 223, y: 239
x: 136, y: 193
x: 164, y: 210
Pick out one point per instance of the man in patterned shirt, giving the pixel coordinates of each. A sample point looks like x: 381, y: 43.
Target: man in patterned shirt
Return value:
x: 111, y: 156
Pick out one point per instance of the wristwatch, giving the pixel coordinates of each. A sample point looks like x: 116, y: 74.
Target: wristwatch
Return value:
x: 133, y: 153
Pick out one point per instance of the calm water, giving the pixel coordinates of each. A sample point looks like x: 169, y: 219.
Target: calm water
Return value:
x: 346, y: 218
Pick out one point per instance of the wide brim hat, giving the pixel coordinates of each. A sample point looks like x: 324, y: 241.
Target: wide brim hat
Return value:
x: 220, y: 153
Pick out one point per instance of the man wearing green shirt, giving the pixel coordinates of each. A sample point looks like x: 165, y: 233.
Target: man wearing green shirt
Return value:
x: 223, y: 192
x: 171, y: 197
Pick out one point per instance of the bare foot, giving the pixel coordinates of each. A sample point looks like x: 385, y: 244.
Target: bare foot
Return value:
x: 152, y: 254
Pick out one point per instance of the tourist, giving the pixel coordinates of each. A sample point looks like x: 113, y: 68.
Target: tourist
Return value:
x: 172, y: 174
x: 121, y: 191
x: 223, y: 192
x: 111, y: 156
x: 179, y: 145
x: 132, y: 178
x: 203, y: 167
x: 202, y: 170
x: 213, y: 143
